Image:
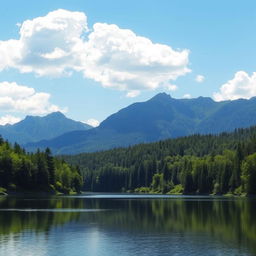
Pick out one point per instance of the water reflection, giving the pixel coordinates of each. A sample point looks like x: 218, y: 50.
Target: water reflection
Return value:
x: 159, y: 222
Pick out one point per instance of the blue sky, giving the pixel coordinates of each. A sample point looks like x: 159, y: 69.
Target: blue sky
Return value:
x: 211, y: 39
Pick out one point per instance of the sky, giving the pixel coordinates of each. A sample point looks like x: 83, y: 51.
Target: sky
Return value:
x: 90, y: 58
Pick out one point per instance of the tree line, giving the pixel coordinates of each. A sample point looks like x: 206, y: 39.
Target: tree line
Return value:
x: 204, y: 164
x: 40, y: 171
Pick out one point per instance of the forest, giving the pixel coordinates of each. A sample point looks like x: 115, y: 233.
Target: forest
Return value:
x: 197, y: 164
x: 21, y: 171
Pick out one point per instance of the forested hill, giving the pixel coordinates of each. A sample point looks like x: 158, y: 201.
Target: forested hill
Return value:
x: 195, y: 164
x: 39, y: 172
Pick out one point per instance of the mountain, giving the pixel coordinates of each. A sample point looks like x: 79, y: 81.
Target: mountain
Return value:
x: 35, y: 128
x: 156, y: 119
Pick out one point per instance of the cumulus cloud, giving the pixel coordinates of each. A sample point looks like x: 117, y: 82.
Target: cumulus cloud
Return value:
x: 60, y: 43
x: 241, y: 86
x: 92, y: 122
x: 118, y: 58
x: 199, y: 78
x: 23, y: 99
x: 8, y: 119
x: 47, y: 45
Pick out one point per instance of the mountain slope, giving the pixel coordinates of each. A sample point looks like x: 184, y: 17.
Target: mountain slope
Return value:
x: 158, y: 118
x: 35, y: 128
x: 162, y: 117
x: 234, y: 114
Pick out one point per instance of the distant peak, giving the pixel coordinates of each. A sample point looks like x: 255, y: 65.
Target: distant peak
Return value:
x: 51, y: 115
x: 161, y: 96
x: 204, y: 98
x: 29, y: 117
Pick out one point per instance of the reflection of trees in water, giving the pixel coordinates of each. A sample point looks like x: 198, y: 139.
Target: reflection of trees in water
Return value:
x: 229, y: 220
x: 38, y: 221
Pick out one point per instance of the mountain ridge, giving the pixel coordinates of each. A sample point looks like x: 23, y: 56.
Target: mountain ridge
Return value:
x: 161, y: 117
x: 35, y: 128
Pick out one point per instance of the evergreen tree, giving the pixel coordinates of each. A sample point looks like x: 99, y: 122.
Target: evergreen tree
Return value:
x: 50, y: 166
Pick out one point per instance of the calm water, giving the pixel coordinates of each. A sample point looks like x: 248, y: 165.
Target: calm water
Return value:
x: 109, y: 225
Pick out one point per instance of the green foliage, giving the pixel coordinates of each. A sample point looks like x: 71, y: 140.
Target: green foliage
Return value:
x: 20, y: 171
x: 249, y: 174
x: 142, y: 190
x: 204, y: 164
x: 2, y: 190
x: 177, y: 190
x: 157, y: 183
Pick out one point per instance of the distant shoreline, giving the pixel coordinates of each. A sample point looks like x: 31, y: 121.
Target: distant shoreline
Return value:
x: 42, y: 194
x: 34, y: 193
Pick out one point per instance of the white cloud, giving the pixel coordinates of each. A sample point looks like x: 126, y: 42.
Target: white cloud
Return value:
x: 172, y: 87
x: 92, y: 122
x: 118, y: 58
x: 199, y: 78
x: 187, y: 96
x: 56, y: 54
x: 23, y: 99
x: 15, y: 91
x: 132, y: 94
x: 56, y: 45
x: 8, y: 119
x: 241, y: 86
x: 10, y: 53
x: 47, y: 45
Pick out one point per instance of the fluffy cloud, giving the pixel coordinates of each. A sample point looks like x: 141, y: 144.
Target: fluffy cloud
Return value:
x: 241, y: 86
x: 8, y: 119
x: 199, y: 78
x: 48, y: 45
x: 23, y: 99
x: 9, y: 52
x: 120, y: 59
x: 57, y: 44
x: 92, y: 122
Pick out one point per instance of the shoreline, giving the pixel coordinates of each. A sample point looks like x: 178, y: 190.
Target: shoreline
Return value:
x: 43, y: 194
x: 35, y: 193
x: 167, y: 194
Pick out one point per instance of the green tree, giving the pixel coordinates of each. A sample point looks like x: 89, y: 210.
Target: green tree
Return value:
x: 249, y: 174
x: 50, y: 166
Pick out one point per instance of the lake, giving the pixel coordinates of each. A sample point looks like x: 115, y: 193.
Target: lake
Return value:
x: 121, y: 224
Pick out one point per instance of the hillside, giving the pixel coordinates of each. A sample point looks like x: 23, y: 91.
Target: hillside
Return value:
x: 159, y: 118
x: 35, y: 128
x: 219, y: 164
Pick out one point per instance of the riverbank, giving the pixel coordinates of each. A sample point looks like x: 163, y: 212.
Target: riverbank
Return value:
x: 178, y: 190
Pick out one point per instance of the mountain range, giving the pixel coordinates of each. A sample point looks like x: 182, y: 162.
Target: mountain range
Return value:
x: 159, y: 118
x: 36, y: 128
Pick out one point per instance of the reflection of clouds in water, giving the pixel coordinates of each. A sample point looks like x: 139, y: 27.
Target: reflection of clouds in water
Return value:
x: 17, y: 244
x: 93, y: 240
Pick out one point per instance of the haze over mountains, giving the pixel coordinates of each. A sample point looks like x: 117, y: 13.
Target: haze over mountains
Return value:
x: 158, y: 118
x: 35, y: 128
